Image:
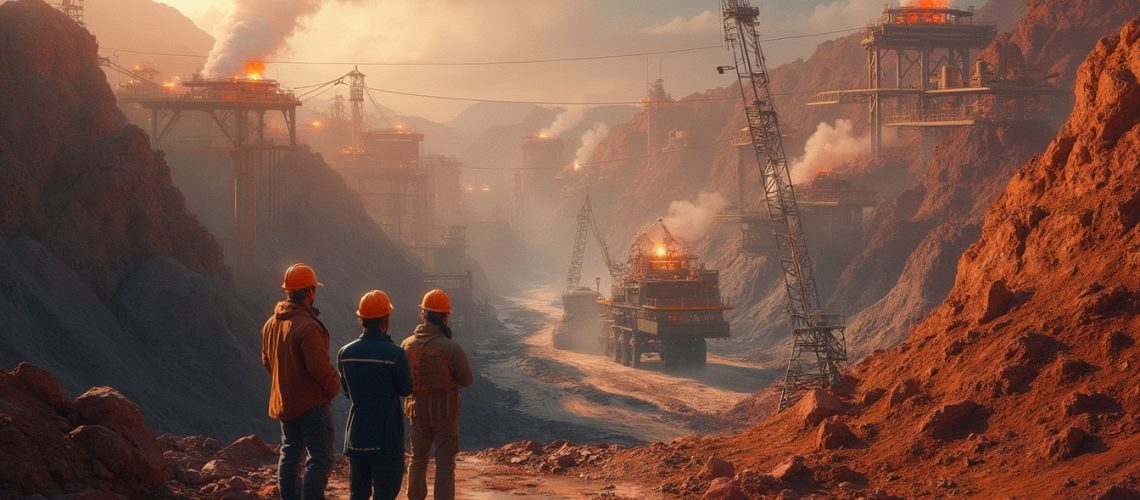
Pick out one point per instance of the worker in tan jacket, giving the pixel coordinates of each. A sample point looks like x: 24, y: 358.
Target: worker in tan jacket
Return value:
x: 439, y: 368
x: 295, y: 352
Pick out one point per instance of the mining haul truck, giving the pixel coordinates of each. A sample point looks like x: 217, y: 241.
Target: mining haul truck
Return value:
x: 667, y: 303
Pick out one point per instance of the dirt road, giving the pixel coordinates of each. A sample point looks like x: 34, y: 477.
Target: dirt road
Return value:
x: 597, y: 397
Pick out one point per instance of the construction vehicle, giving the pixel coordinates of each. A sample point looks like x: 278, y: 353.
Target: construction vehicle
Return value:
x: 581, y: 312
x: 818, y: 343
x: 666, y: 303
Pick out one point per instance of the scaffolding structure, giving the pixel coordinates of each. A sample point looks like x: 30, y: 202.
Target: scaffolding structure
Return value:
x: 238, y: 106
x: 72, y: 9
x: 655, y: 96
x: 387, y: 174
x: 933, y: 86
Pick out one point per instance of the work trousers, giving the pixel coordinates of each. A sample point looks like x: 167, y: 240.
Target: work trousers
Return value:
x: 442, y: 436
x: 312, y: 432
x: 378, y: 479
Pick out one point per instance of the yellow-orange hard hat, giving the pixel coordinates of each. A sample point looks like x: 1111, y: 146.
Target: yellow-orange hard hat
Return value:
x: 436, y: 301
x: 299, y: 276
x: 374, y: 304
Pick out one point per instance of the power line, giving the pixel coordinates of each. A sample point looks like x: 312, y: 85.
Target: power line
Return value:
x: 496, y: 63
x: 553, y: 103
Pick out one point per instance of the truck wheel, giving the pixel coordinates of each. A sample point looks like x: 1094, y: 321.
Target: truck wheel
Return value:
x: 700, y: 354
x: 634, y: 351
x: 619, y: 348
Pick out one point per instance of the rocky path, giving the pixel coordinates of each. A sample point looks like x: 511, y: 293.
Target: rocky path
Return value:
x: 478, y: 479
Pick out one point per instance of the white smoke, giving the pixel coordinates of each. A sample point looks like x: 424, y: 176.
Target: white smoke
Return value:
x: 690, y: 220
x: 590, y: 141
x: 828, y: 147
x: 565, y: 121
x: 255, y: 30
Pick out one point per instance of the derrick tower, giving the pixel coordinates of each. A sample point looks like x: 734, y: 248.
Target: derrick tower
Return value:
x: 818, y: 343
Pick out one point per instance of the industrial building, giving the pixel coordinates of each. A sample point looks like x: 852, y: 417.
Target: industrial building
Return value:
x: 933, y: 86
x: 242, y: 109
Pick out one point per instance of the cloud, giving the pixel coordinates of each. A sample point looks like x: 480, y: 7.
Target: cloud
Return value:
x: 829, y: 147
x: 705, y: 22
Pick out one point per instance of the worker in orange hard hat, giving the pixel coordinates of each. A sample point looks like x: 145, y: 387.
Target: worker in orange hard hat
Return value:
x: 374, y: 374
x: 439, y: 368
x: 295, y: 351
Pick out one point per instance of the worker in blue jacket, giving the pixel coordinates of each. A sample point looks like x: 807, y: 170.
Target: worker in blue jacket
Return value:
x: 374, y: 374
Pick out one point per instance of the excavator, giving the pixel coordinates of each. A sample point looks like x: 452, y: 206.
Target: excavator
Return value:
x: 581, y: 317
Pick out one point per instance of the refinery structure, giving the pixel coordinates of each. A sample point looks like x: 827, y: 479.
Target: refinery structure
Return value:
x: 936, y: 84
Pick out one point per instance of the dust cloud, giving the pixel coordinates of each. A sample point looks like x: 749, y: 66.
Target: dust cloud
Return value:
x: 828, y: 147
x: 590, y: 141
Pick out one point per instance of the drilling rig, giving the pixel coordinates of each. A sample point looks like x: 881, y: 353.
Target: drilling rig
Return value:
x: 818, y: 343
x: 581, y: 313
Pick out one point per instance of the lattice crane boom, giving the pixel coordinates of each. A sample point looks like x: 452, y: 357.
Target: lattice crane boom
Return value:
x: 588, y: 222
x: 818, y: 340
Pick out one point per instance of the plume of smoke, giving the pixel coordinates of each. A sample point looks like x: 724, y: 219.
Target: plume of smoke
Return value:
x: 255, y: 30
x: 829, y: 146
x: 590, y: 141
x: 565, y: 121
x: 689, y: 220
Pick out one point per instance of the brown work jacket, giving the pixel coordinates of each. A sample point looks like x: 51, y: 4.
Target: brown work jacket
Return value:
x: 439, y: 368
x: 295, y: 352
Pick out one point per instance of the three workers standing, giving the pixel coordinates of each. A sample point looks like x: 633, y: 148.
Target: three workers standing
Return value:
x: 375, y: 373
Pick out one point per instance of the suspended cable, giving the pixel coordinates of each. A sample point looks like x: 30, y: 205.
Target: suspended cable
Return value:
x: 501, y: 62
x: 379, y: 110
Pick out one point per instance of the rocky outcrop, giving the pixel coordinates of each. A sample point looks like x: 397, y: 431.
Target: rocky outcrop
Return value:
x: 108, y: 278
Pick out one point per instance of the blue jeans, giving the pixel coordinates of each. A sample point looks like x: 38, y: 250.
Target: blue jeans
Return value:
x: 376, y: 479
x: 313, y: 432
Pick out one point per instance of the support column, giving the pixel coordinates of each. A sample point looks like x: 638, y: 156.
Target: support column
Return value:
x: 246, y: 161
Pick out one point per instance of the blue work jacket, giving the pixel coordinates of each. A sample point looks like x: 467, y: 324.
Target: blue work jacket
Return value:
x: 374, y: 374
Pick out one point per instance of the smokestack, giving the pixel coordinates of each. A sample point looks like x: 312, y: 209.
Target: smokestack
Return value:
x: 255, y: 30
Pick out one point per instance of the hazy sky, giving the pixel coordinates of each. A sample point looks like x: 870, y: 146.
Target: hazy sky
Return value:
x: 418, y: 31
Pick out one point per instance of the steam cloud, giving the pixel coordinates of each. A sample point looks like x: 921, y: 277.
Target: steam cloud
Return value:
x: 255, y: 30
x: 829, y: 146
x: 690, y: 220
x: 590, y: 141
x: 565, y: 121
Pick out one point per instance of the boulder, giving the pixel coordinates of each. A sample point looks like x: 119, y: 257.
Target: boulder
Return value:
x: 947, y: 422
x: 1119, y: 493
x: 717, y: 468
x: 118, y: 455
x: 872, y: 396
x: 248, y: 450
x: 998, y: 301
x: 1093, y: 403
x: 42, y: 384
x: 217, y: 469
x: 1066, y: 445
x: 903, y: 391
x: 833, y: 435
x: 723, y: 488
x: 816, y: 406
x: 789, y: 468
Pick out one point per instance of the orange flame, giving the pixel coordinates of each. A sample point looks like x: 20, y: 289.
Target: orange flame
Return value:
x: 254, y: 70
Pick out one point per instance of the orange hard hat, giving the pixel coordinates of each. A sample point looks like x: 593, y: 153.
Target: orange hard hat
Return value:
x: 374, y: 304
x: 299, y: 276
x: 436, y: 301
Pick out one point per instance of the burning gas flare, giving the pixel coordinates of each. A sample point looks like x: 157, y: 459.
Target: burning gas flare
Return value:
x: 924, y: 17
x: 254, y: 70
x: 660, y: 250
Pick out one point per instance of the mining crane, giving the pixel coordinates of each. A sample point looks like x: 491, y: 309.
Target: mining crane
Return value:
x: 587, y: 222
x: 581, y: 318
x: 818, y: 344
